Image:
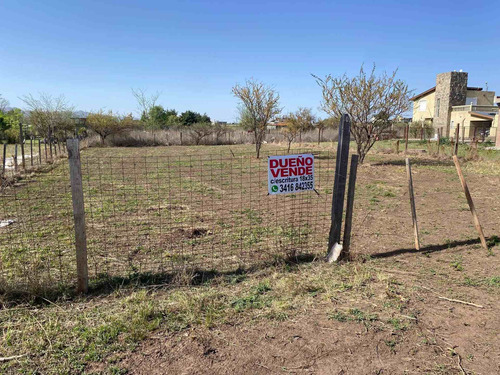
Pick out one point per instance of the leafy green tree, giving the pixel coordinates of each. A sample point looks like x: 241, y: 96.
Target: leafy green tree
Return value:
x: 106, y: 123
x: 188, y: 118
x: 157, y: 117
x: 12, y: 119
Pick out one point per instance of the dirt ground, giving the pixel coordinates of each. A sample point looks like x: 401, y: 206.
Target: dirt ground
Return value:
x: 440, y: 336
x: 445, y: 337
x: 391, y: 310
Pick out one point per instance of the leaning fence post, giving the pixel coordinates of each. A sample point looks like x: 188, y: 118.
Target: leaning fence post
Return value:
x: 412, y: 203
x: 457, y: 139
x: 346, y: 243
x: 75, y: 170
x: 339, y: 182
x: 472, y: 208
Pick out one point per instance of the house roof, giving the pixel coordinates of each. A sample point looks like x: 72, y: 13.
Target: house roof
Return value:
x: 481, y: 115
x: 432, y: 89
x: 426, y: 92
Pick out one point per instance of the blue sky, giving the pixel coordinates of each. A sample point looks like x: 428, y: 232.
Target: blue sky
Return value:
x: 94, y: 52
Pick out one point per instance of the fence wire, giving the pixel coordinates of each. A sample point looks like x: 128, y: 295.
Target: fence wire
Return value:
x: 211, y: 212
x: 164, y: 211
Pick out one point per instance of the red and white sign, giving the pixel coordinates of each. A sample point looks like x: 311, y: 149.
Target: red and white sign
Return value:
x: 290, y: 173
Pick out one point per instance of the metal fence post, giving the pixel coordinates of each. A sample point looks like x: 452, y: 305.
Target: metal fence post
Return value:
x: 75, y: 170
x: 340, y: 181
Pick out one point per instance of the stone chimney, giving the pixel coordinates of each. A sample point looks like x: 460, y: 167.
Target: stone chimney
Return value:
x: 451, y: 89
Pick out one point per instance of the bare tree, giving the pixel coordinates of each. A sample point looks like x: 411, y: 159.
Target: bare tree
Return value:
x: 145, y: 105
x: 259, y: 105
x: 50, y: 116
x: 200, y: 130
x: 219, y: 130
x: 290, y: 131
x: 371, y: 101
x: 304, y: 120
x: 4, y: 104
x: 321, y: 125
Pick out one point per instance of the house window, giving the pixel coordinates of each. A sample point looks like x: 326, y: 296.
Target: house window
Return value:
x: 438, y: 105
x: 422, y: 105
x: 469, y: 101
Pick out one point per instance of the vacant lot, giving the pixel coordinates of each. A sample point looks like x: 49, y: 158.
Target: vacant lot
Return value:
x: 258, y: 302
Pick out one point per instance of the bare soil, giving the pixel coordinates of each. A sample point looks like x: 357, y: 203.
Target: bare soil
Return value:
x: 438, y: 336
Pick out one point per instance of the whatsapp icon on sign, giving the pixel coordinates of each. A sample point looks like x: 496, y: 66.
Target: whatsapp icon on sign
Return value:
x: 274, y: 188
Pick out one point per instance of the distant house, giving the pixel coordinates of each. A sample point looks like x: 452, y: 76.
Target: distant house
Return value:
x: 278, y: 123
x: 452, y: 103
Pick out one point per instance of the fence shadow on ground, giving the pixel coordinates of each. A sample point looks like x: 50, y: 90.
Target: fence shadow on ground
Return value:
x: 185, y: 277
x: 189, y: 276
x: 492, y: 241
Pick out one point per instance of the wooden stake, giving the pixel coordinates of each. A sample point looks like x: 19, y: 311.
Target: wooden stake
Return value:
x: 4, y: 159
x: 439, y: 140
x: 339, y: 181
x: 31, y: 150
x: 406, y: 137
x: 15, y: 158
x: 397, y: 148
x: 457, y: 139
x: 346, y: 243
x: 39, y: 153
x: 412, y: 203
x: 472, y: 208
x: 75, y: 170
x: 21, y: 142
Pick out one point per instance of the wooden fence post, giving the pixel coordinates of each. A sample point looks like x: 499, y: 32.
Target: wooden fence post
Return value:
x: 340, y: 181
x: 15, y: 157
x: 21, y: 142
x: 457, y: 139
x: 75, y: 170
x: 472, y: 208
x: 31, y: 150
x: 412, y: 203
x: 4, y: 159
x: 346, y: 243
x: 39, y: 153
x: 397, y: 148
x: 406, y: 137
x: 439, y: 140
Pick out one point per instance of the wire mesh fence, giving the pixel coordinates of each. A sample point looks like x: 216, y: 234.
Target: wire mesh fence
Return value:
x: 159, y: 214
x: 164, y: 211
x: 210, y: 212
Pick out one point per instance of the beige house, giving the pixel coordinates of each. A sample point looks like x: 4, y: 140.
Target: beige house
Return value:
x: 452, y: 103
